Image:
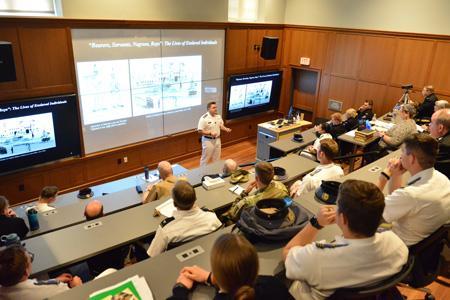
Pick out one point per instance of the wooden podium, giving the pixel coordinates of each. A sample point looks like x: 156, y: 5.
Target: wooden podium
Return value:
x: 270, y: 132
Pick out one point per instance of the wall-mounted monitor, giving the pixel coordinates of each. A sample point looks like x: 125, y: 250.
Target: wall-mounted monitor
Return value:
x: 253, y: 93
x: 36, y: 131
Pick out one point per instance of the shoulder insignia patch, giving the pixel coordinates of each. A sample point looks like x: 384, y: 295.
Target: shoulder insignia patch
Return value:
x: 329, y: 246
x: 166, y: 221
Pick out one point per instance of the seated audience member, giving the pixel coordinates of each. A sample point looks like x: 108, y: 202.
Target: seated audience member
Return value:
x: 188, y: 222
x: 440, y: 130
x: 359, y: 257
x: 15, y: 269
x: 423, y: 205
x: 9, y: 222
x: 266, y: 188
x: 235, y: 266
x: 229, y: 167
x: 335, y: 126
x: 365, y: 111
x: 350, y: 119
x: 321, y: 134
x: 327, y: 170
x: 426, y: 108
x: 163, y: 188
x: 111, y: 260
x: 48, y: 196
x: 394, y: 137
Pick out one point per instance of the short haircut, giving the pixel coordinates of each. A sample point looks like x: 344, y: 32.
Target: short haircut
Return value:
x: 89, y: 216
x: 264, y: 171
x: 329, y: 147
x: 337, y: 116
x: 409, y: 109
x: 362, y: 204
x: 424, y: 147
x: 210, y: 103
x: 183, y: 195
x: 370, y: 102
x: 13, y: 265
x: 49, y: 192
x: 4, y: 204
x: 443, y: 118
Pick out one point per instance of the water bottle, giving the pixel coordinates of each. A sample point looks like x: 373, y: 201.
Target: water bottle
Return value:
x: 33, y: 220
x: 368, y: 126
x: 146, y: 174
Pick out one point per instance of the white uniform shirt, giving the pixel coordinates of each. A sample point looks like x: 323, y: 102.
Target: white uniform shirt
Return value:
x: 28, y: 290
x: 323, y: 136
x: 358, y: 262
x: 187, y: 225
x: 210, y: 123
x: 420, y: 208
x: 43, y: 207
x: 313, y: 180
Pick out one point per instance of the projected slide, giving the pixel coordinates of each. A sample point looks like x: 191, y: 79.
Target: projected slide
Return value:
x: 139, y: 84
x: 26, y: 134
x: 251, y: 94
x: 118, y: 89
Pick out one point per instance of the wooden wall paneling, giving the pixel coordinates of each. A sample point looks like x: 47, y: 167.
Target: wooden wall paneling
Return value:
x: 47, y: 57
x: 152, y: 152
x: 10, y: 34
x: 377, y: 58
x: 236, y: 49
x: 440, y: 69
x: 346, y: 55
x: 285, y: 96
x: 393, y: 94
x: 412, y: 60
x: 239, y: 131
x: 343, y: 90
x: 305, y: 43
x: 373, y: 91
x: 67, y: 177
x: 277, y: 61
x: 111, y: 164
x: 322, y: 103
x: 255, y: 37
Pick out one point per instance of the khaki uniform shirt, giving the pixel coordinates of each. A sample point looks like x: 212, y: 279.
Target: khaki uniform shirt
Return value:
x: 161, y: 189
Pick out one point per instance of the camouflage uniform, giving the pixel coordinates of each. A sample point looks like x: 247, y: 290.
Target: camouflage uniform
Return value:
x: 274, y: 190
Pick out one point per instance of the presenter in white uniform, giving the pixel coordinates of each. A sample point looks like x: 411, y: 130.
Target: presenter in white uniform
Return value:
x: 209, y: 127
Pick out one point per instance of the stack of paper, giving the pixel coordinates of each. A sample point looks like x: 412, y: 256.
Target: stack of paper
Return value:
x: 133, y: 288
x: 166, y: 208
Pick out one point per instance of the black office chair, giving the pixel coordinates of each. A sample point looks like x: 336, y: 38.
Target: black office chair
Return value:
x: 427, y: 261
x: 385, y: 289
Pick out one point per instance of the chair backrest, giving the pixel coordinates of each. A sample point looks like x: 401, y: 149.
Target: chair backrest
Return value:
x: 368, y: 292
x: 177, y: 244
x: 427, y: 257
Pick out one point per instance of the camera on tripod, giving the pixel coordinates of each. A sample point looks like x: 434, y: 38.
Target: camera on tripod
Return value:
x: 407, y: 87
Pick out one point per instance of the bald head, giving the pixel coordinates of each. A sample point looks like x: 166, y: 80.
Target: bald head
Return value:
x: 165, y: 169
x: 93, y: 210
x: 229, y: 166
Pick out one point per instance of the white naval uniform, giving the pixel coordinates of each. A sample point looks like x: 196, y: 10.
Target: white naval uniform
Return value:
x: 29, y: 290
x: 420, y: 208
x: 211, y: 147
x: 183, y: 226
x: 323, y: 136
x: 321, y: 268
x: 313, y: 180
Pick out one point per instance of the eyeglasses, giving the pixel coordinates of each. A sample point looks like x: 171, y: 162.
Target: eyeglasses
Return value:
x: 31, y: 254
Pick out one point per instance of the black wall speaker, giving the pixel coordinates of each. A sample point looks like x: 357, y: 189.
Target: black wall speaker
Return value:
x: 7, y: 68
x: 269, y: 47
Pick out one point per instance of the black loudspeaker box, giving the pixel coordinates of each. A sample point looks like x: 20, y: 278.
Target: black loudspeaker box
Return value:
x: 7, y: 68
x: 269, y: 47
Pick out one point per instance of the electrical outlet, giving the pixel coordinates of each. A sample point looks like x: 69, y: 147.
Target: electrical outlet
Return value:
x: 125, y: 159
x: 51, y: 212
x: 93, y: 225
x: 190, y: 253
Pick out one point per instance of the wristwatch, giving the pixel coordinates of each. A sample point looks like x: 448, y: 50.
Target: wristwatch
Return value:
x: 313, y: 221
x: 179, y: 285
